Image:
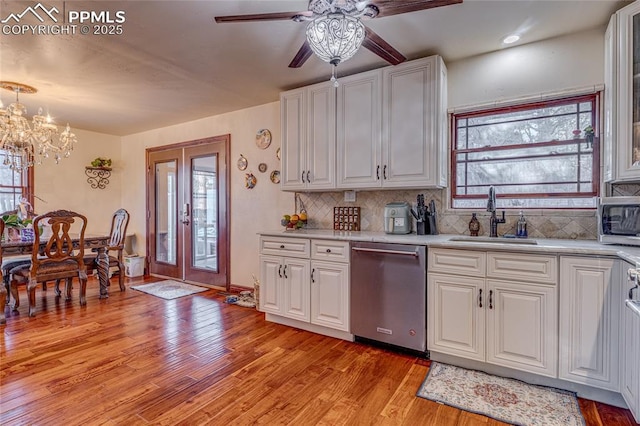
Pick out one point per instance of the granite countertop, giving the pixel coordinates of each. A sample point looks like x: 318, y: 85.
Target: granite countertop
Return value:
x: 543, y: 245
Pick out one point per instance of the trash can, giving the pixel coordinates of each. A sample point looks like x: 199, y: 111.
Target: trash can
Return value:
x: 134, y: 266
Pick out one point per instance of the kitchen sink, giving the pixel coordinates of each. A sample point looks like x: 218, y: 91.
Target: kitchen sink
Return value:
x: 497, y: 240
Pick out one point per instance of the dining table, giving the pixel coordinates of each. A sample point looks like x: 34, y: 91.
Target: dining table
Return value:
x: 97, y: 243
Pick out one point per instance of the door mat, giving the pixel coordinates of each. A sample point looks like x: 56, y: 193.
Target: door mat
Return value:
x: 169, y: 289
x: 507, y: 400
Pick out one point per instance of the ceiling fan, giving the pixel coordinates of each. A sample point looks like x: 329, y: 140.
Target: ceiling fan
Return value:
x: 335, y: 31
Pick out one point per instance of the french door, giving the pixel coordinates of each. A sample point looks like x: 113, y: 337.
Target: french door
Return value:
x: 187, y: 205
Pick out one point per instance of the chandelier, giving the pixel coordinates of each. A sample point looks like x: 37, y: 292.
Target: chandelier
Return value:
x: 335, y: 33
x: 24, y: 144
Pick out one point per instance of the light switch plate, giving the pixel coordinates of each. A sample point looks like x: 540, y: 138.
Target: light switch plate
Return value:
x: 350, y: 196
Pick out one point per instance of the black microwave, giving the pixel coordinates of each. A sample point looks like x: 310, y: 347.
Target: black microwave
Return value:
x: 619, y: 220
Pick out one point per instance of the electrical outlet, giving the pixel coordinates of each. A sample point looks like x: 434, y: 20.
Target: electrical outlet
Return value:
x: 350, y: 196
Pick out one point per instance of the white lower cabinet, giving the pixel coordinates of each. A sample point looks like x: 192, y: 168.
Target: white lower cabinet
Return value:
x: 506, y: 322
x: 589, y: 321
x: 330, y: 294
x: 303, y: 288
x: 630, y: 381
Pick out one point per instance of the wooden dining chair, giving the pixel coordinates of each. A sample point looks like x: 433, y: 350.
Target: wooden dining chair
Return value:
x: 119, y: 223
x: 59, y: 257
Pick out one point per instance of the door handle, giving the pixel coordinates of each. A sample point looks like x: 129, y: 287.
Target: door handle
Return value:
x: 185, y: 213
x: 480, y: 298
x: 490, y: 299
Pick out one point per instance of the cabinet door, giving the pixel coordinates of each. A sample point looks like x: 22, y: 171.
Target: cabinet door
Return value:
x: 455, y: 315
x: 358, y: 131
x: 589, y: 321
x: 296, y: 289
x: 622, y: 94
x: 293, y: 152
x: 330, y: 295
x: 321, y: 137
x: 410, y: 154
x: 271, y: 284
x: 631, y: 362
x: 522, y: 326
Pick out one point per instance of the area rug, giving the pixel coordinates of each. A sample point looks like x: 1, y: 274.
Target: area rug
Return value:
x: 169, y: 289
x: 506, y: 400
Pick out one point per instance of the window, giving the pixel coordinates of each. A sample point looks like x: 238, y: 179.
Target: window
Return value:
x: 13, y: 185
x: 535, y: 155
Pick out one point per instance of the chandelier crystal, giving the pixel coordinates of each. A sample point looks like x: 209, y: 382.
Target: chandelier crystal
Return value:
x: 24, y: 144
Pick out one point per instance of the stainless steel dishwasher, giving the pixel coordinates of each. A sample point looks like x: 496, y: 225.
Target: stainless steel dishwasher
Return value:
x: 389, y: 294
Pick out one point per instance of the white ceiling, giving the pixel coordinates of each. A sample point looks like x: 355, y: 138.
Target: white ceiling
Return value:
x: 173, y: 63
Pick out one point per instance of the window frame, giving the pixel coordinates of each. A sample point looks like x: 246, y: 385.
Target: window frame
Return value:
x: 593, y: 97
x: 27, y: 186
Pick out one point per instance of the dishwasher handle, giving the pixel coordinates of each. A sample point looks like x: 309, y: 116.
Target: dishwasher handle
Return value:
x: 371, y: 250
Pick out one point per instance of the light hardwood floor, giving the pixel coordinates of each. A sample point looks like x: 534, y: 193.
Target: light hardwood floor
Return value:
x: 135, y: 359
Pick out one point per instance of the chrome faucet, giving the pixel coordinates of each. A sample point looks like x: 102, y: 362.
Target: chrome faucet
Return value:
x: 491, y: 207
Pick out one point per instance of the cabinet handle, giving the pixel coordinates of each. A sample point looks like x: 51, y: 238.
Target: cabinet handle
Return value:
x: 384, y: 172
x: 631, y: 291
x: 281, y: 246
x: 308, y: 178
x: 480, y: 299
x: 280, y: 271
x: 284, y: 271
x: 328, y: 250
x: 378, y: 172
x: 303, y: 172
x: 312, y: 272
x: 490, y: 298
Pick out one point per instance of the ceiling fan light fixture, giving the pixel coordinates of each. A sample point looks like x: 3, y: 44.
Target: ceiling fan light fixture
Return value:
x: 335, y: 37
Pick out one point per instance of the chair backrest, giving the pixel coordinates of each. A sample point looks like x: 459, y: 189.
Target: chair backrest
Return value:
x: 119, y: 223
x: 59, y: 245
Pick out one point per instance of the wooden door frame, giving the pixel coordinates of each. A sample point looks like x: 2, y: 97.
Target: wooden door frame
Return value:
x: 226, y: 141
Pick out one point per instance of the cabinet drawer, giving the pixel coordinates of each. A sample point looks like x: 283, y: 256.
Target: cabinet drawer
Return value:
x: 460, y: 262
x: 523, y: 267
x: 330, y: 250
x: 293, y: 247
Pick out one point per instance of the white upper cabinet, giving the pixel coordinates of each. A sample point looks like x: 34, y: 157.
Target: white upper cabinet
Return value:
x: 385, y: 128
x: 308, y: 138
x: 414, y: 124
x: 359, y: 130
x: 622, y: 96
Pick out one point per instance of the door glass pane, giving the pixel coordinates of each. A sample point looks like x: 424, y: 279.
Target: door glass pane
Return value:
x: 204, y: 199
x: 166, y: 207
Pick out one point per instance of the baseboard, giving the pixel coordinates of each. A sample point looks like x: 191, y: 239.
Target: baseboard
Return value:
x: 309, y: 327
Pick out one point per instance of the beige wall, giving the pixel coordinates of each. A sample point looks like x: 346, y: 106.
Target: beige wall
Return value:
x: 64, y: 185
x: 251, y: 210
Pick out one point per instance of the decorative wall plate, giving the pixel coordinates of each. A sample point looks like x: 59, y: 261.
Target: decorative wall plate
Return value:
x: 262, y: 167
x: 278, y: 153
x: 263, y: 138
x: 250, y: 181
x: 275, y: 176
x: 242, y: 162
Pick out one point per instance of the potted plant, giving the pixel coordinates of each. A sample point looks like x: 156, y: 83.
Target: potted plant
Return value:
x: 14, y: 225
x: 102, y: 163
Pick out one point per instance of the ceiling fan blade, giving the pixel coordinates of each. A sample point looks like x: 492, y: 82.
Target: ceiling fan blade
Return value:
x: 278, y: 16
x: 377, y: 45
x: 301, y: 57
x: 393, y: 7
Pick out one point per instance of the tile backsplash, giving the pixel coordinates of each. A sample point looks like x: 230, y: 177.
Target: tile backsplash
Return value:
x: 575, y: 224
